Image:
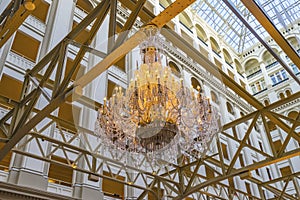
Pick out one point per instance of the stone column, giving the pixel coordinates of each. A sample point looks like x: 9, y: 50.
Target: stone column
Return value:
x: 224, y: 64
x: 4, y: 53
x: 25, y: 170
x: 3, y: 5
x: 236, y: 74
x: 59, y: 24
x: 156, y: 10
x: 210, y: 52
x: 85, y: 187
x: 186, y: 76
x: 195, y: 38
x: 177, y: 25
x: 265, y: 75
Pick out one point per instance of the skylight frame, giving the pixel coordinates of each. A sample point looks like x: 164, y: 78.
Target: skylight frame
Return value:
x: 222, y: 20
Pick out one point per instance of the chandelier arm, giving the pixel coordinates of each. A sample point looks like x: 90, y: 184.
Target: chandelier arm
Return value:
x: 157, y: 118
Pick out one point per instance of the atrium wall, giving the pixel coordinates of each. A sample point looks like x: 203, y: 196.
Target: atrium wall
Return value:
x: 255, y: 71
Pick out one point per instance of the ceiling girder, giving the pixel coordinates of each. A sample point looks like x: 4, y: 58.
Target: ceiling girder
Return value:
x: 62, y: 92
x: 250, y: 167
x: 205, y: 63
x: 160, y: 20
x: 198, y: 57
x: 129, y: 23
x: 12, y: 23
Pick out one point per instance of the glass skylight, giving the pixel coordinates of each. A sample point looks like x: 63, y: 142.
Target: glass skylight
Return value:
x: 234, y: 32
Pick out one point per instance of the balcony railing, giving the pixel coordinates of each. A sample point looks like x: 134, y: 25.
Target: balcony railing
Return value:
x: 202, y: 41
x: 36, y: 24
x: 254, y: 74
x: 3, y: 112
x: 260, y: 91
x: 271, y: 65
x: 60, y: 189
x: 217, y: 53
x: 280, y: 82
x: 80, y: 13
x: 19, y: 61
x: 241, y: 74
x: 229, y: 64
x: 186, y: 27
x: 3, y: 174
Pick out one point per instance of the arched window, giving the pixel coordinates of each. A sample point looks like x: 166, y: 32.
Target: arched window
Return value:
x: 227, y: 56
x: 271, y: 126
x: 252, y: 66
x: 268, y: 58
x: 281, y: 95
x: 214, y: 45
x: 266, y: 102
x: 185, y: 20
x: 187, y: 23
x: 239, y: 67
x: 201, y: 33
x: 174, y: 68
x: 288, y: 93
x: 195, y: 83
x: 229, y: 108
x: 293, y: 114
x: 294, y: 42
x: 214, y: 97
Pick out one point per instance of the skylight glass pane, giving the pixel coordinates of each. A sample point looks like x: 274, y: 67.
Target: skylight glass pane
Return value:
x: 220, y: 18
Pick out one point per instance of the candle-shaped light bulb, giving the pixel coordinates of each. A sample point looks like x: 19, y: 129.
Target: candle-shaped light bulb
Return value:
x: 192, y: 91
x: 104, y: 102
x: 181, y: 82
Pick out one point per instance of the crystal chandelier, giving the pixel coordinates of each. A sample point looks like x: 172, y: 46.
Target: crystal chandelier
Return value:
x: 157, y: 116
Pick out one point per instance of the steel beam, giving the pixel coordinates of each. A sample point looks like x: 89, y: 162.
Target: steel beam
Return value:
x: 112, y: 24
x: 169, y: 13
x: 242, y: 144
x: 129, y: 23
x: 62, y: 94
x: 15, y: 21
x: 194, y: 54
x: 238, y: 172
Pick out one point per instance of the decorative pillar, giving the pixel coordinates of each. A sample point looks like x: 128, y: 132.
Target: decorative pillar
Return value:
x: 156, y: 10
x: 265, y: 75
x: 3, y: 5
x: 63, y: 21
x: 186, y: 76
x: 210, y: 51
x: 236, y: 75
x: 195, y: 38
x: 224, y: 64
x: 177, y: 25
x: 85, y: 187
x: 4, y: 53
